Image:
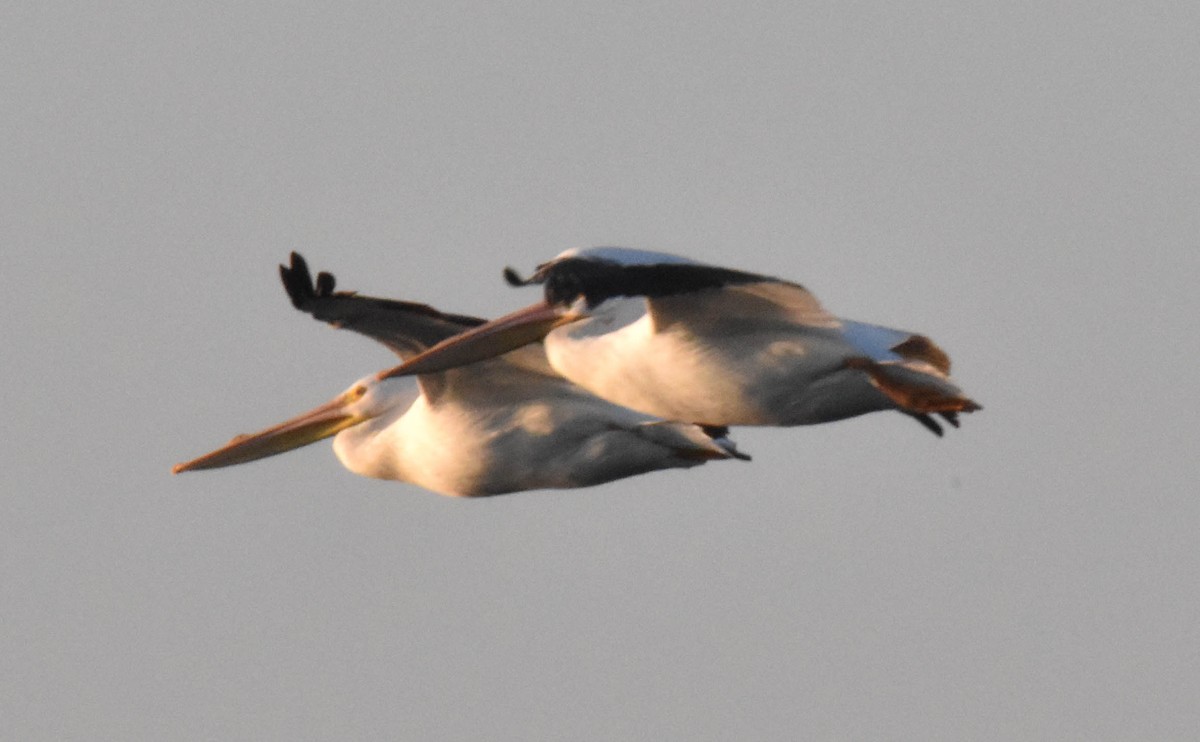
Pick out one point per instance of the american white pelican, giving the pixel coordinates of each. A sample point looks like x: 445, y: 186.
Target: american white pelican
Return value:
x: 498, y: 426
x: 679, y: 339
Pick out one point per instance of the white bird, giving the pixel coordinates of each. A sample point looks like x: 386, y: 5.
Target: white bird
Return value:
x: 499, y: 426
x: 679, y: 339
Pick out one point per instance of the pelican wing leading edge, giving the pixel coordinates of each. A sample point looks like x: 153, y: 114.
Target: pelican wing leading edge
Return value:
x: 502, y: 425
x: 406, y: 327
x: 679, y: 339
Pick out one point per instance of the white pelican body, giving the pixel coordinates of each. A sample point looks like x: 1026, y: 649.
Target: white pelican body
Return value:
x: 503, y: 425
x: 675, y: 338
x: 496, y: 437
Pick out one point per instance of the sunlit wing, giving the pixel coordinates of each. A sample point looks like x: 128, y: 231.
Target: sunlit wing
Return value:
x: 765, y: 302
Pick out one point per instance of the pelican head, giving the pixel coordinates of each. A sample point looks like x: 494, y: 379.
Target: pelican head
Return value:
x: 352, y: 413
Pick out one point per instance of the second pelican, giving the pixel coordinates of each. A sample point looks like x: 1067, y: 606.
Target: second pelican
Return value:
x: 679, y: 339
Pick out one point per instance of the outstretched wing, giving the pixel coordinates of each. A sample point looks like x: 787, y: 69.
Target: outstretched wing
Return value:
x: 407, y: 328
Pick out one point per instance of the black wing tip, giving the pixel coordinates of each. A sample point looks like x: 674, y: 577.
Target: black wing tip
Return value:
x: 306, y: 293
x: 596, y: 280
x: 513, y: 278
x: 325, y: 283
x: 297, y: 281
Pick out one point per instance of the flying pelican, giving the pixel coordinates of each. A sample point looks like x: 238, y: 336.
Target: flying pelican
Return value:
x: 503, y: 425
x: 687, y: 341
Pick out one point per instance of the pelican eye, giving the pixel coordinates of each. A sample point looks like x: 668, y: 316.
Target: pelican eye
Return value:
x: 359, y: 392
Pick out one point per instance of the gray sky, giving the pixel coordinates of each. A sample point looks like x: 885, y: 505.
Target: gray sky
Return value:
x: 1018, y: 180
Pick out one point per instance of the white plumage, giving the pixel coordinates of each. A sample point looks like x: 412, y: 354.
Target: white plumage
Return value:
x: 502, y: 425
x: 679, y: 339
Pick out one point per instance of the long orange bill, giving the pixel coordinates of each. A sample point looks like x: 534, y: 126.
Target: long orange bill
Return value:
x: 310, y: 427
x: 486, y: 341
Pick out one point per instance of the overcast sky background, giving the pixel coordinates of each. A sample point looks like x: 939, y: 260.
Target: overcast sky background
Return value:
x: 1020, y: 181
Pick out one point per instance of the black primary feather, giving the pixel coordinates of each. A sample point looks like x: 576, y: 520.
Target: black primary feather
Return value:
x: 566, y: 280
